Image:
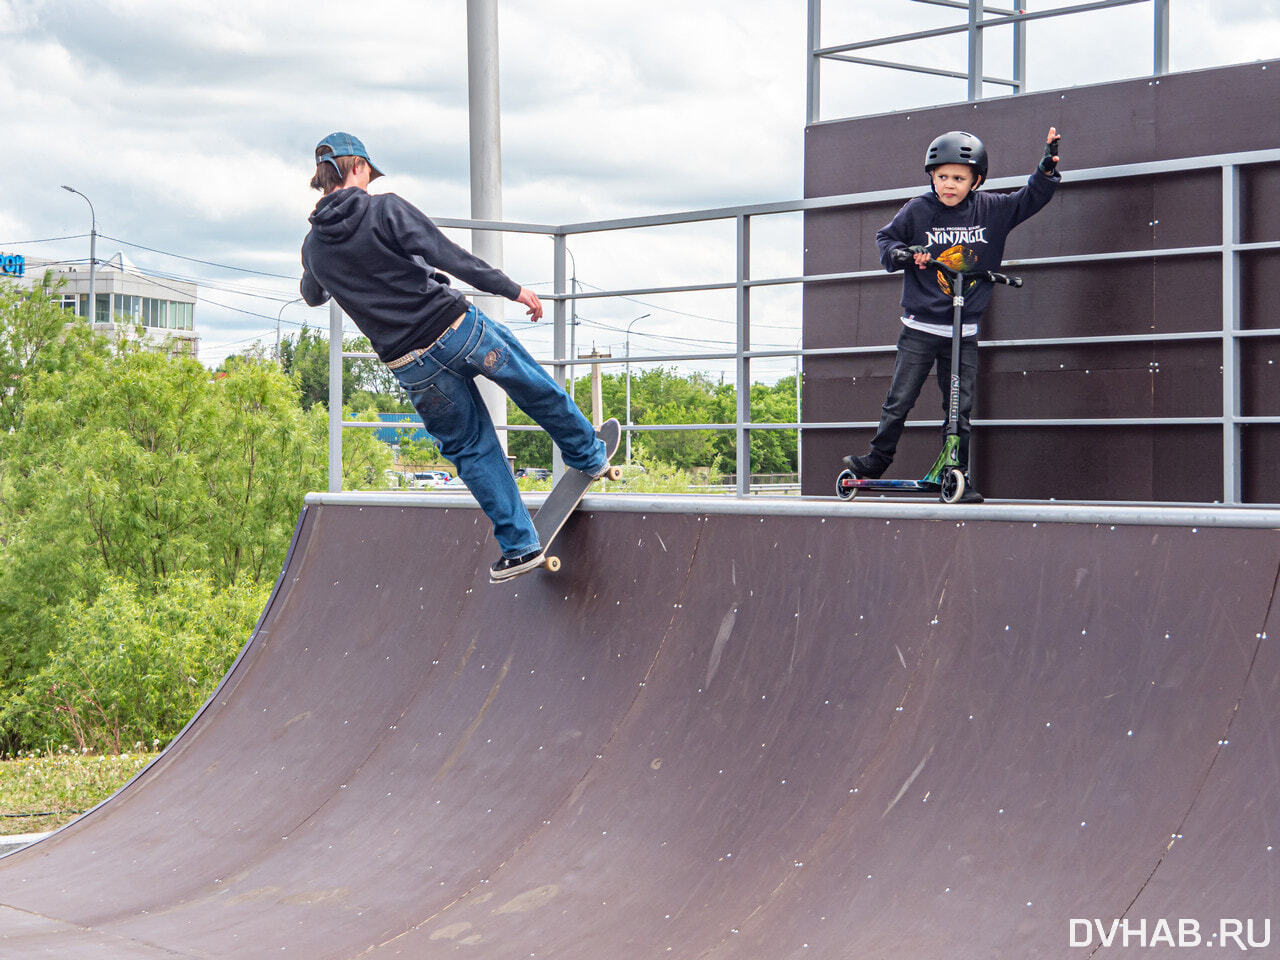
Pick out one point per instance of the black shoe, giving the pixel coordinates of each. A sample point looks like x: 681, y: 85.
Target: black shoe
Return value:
x: 506, y: 567
x: 971, y: 494
x: 866, y: 467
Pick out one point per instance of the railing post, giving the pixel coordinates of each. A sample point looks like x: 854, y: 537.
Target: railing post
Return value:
x: 559, y: 368
x: 1160, y: 55
x: 335, y: 397
x: 975, y: 50
x: 1020, y: 56
x: 743, y: 362
x: 1231, y: 483
x: 813, y: 89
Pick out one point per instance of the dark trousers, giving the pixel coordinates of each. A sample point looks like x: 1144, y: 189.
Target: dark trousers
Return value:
x: 917, y: 354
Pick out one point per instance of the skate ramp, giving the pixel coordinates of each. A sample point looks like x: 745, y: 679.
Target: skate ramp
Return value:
x: 723, y: 730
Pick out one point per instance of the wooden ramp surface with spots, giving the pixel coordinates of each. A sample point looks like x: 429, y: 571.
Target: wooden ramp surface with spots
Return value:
x: 714, y: 735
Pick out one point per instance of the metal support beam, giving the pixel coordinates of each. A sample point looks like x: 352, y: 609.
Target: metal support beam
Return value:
x: 486, y: 168
x: 1161, y: 37
x: 744, y: 362
x: 1231, y: 485
x: 1020, y: 57
x: 975, y: 50
x: 912, y: 68
x: 335, y: 397
x: 813, y: 88
x: 558, y: 338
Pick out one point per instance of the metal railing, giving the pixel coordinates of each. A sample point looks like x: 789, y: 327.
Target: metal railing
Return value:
x: 981, y: 18
x: 1230, y: 333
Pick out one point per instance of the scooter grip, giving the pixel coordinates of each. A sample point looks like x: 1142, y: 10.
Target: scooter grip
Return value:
x: 1002, y: 278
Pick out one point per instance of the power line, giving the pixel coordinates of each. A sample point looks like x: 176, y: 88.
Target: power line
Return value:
x: 18, y: 243
x: 208, y: 263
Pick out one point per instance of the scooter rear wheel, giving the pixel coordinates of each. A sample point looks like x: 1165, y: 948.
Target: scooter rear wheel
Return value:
x: 952, y: 485
x: 843, y: 492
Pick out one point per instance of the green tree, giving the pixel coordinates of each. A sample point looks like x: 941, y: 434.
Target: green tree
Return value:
x: 36, y: 336
x: 772, y: 451
x: 305, y: 359
x: 143, y: 467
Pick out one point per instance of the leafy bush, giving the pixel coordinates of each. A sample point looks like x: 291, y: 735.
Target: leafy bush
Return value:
x: 131, y: 668
x: 144, y: 467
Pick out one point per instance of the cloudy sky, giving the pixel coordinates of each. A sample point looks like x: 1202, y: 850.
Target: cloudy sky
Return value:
x: 190, y: 126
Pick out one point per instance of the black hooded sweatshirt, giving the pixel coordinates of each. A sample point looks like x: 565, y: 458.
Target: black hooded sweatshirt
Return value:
x: 377, y: 256
x: 968, y: 236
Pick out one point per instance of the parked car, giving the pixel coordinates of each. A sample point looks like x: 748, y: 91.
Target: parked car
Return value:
x: 533, y: 473
x: 430, y: 478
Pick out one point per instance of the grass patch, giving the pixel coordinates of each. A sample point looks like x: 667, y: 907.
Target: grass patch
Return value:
x: 39, y: 792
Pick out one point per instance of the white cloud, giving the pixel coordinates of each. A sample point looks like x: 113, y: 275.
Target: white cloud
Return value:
x: 190, y: 126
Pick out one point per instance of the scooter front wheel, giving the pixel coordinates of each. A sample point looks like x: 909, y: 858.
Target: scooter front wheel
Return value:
x: 845, y: 491
x: 952, y: 485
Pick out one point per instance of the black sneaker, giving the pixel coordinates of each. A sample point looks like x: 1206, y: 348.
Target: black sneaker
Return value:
x: 865, y: 467
x: 506, y: 567
x: 971, y: 494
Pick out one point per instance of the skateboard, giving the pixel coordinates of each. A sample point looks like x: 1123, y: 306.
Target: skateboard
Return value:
x: 565, y: 497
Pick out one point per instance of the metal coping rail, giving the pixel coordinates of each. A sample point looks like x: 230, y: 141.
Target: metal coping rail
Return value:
x: 1230, y: 249
x: 1179, y: 515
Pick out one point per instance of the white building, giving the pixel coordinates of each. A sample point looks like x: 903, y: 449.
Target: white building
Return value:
x: 126, y: 298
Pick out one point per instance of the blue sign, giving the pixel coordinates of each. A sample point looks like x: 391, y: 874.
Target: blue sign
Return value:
x: 13, y: 265
x: 393, y: 434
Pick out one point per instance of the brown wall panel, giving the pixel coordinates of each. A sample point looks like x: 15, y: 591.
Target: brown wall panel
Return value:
x: 1259, y: 463
x: 1187, y: 114
x: 852, y: 313
x: 1158, y: 463
x: 1260, y: 290
x: 1260, y: 377
x: 1260, y: 198
x: 842, y: 241
x: 1183, y: 115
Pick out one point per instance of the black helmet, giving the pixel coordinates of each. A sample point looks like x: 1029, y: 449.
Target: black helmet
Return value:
x: 956, y: 146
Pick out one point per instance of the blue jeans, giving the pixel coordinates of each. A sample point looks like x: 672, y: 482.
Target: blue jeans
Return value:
x: 441, y: 387
x: 917, y: 353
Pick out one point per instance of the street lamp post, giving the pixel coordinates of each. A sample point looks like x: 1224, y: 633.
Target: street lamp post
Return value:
x: 641, y: 317
x: 92, y: 311
x: 278, y: 318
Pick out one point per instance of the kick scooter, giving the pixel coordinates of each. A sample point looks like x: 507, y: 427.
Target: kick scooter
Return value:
x: 945, y: 477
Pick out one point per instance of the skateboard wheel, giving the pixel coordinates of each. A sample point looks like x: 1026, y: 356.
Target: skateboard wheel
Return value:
x: 552, y: 563
x: 613, y: 473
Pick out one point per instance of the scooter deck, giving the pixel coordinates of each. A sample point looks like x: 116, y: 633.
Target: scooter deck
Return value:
x: 858, y: 483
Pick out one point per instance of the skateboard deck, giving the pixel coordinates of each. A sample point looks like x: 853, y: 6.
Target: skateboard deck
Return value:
x: 566, y: 495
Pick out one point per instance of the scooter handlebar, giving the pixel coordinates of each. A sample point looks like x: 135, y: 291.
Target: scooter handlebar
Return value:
x: 1003, y: 278
x: 989, y: 275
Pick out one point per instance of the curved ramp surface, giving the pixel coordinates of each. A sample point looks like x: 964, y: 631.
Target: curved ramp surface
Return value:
x: 758, y: 735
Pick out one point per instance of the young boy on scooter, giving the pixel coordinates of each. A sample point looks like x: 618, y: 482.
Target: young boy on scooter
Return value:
x: 965, y: 230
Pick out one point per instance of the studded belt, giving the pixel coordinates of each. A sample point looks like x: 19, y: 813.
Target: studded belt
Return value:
x: 413, y: 355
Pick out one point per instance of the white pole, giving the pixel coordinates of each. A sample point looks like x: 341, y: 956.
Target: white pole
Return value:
x: 486, y: 167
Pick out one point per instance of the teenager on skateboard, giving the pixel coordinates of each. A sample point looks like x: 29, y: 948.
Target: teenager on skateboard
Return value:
x: 378, y: 256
